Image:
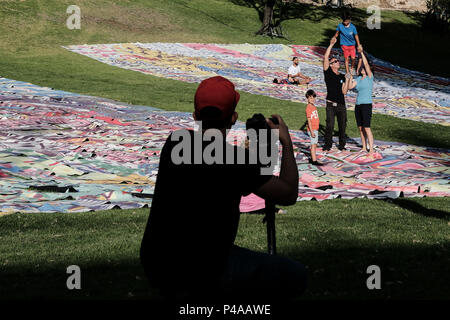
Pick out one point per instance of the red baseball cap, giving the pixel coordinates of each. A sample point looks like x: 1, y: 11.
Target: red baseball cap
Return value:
x: 217, y: 92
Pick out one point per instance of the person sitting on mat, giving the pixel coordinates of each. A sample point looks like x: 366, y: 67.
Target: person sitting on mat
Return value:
x: 294, y: 74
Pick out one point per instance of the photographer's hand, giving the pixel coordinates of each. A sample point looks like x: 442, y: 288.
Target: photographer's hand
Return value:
x: 283, y: 189
x: 283, y: 130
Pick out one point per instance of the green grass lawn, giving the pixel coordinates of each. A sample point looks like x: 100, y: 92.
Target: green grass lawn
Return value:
x: 408, y: 238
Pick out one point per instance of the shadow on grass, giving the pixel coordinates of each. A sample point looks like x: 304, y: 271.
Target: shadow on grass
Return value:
x: 414, y: 207
x: 337, y: 271
x: 421, y: 137
x: 425, y: 51
x: 408, y: 272
x: 123, y: 280
x: 284, y: 11
x: 197, y: 10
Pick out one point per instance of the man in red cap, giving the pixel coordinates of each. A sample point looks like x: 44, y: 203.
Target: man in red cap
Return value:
x: 219, y: 93
x: 188, y: 246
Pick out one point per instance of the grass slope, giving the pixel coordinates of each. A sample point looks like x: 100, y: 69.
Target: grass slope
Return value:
x: 407, y: 238
x: 31, y: 34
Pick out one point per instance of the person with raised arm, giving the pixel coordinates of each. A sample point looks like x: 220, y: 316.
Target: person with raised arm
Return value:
x: 363, y: 108
x: 335, y: 100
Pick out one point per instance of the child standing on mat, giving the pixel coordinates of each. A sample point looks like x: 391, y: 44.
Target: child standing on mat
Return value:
x: 348, y: 39
x: 313, y: 125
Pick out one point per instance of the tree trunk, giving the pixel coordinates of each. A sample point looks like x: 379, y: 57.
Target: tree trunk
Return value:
x: 268, y: 17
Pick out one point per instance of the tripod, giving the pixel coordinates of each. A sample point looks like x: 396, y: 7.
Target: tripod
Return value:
x: 269, y: 220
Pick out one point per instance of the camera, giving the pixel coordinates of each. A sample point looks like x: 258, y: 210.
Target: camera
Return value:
x: 258, y: 121
x: 259, y: 124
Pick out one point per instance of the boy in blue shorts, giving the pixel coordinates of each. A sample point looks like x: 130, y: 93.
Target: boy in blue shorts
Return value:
x: 349, y: 38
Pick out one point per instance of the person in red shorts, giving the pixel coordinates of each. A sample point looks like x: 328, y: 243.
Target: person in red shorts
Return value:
x: 348, y: 39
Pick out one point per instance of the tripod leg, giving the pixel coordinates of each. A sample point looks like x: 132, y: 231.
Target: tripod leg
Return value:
x: 270, y: 224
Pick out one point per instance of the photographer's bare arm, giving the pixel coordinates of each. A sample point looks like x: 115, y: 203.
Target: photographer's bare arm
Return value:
x: 326, y: 61
x: 282, y: 190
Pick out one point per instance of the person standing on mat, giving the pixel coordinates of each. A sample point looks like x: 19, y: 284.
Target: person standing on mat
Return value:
x: 349, y: 39
x: 363, y: 109
x: 335, y: 100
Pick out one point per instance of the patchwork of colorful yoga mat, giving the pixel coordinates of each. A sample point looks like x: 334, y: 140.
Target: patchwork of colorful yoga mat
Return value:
x: 63, y: 152
x: 397, y: 91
